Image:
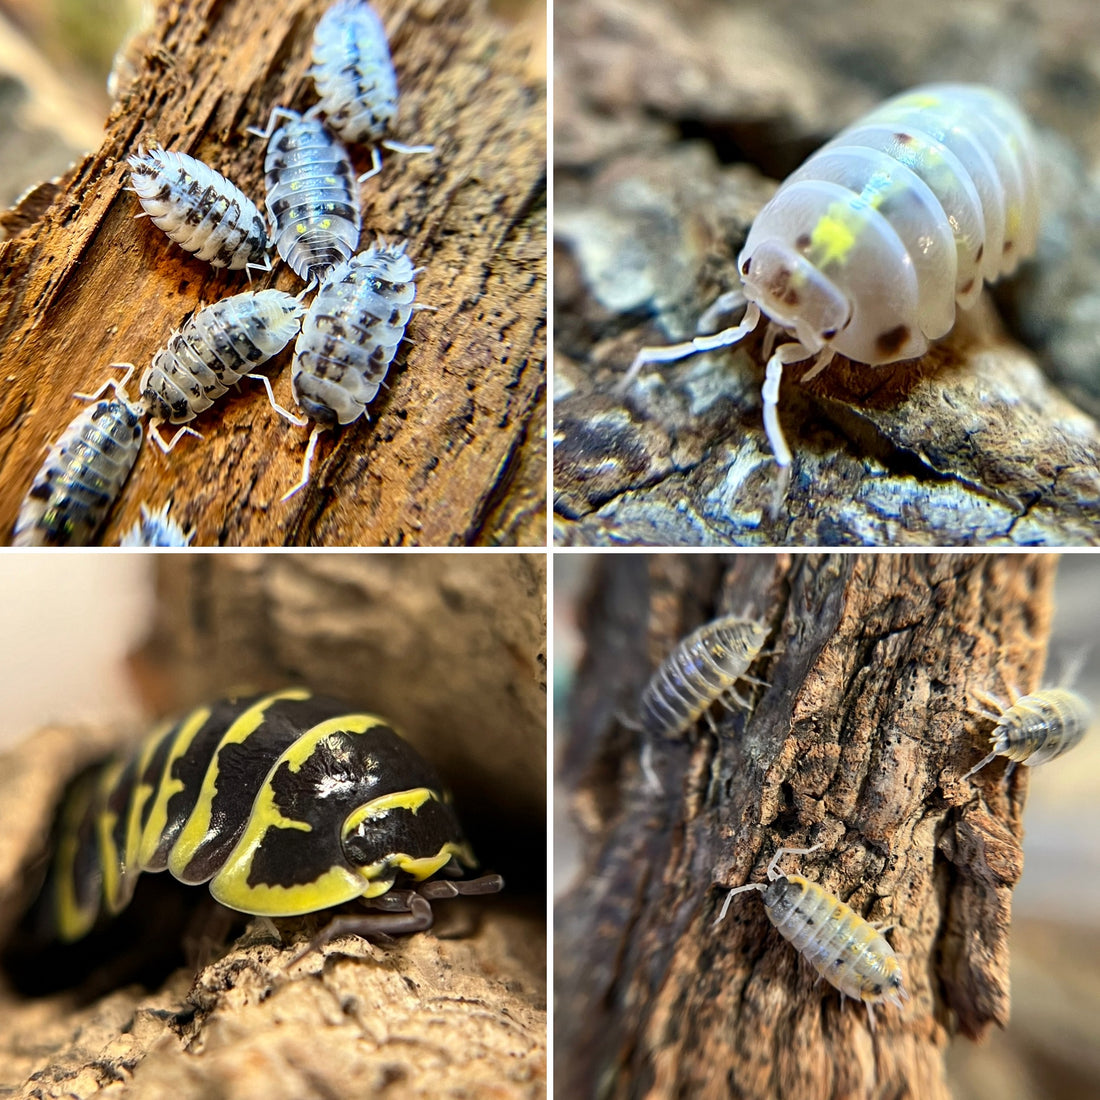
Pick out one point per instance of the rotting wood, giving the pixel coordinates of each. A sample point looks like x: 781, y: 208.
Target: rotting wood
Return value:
x: 859, y: 742
x: 454, y: 450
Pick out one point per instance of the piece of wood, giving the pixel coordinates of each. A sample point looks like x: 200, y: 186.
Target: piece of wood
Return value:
x: 454, y: 449
x: 859, y: 742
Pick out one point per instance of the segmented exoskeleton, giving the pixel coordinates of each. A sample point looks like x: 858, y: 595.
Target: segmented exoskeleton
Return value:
x: 284, y: 803
x: 201, y: 210
x: 847, y: 951
x: 156, y: 529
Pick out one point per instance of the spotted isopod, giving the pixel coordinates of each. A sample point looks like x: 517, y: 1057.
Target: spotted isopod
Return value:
x: 82, y: 476
x: 849, y: 952
x: 200, y: 209
x: 354, y: 76
x: 312, y: 196
x: 1035, y: 728
x: 704, y: 668
x: 349, y: 337
x: 213, y: 349
x: 866, y: 250
x: 156, y: 528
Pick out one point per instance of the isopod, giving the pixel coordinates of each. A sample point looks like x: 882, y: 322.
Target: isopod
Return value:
x: 214, y: 349
x: 200, y: 209
x: 156, y: 528
x: 703, y: 669
x: 867, y: 249
x: 82, y: 476
x: 354, y: 76
x: 849, y: 952
x: 1036, y: 728
x: 312, y: 196
x: 349, y: 337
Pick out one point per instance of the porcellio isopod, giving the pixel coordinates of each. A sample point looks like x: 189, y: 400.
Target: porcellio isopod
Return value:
x: 82, y: 476
x: 354, y: 76
x: 200, y: 209
x: 1036, y: 728
x: 312, y: 196
x: 703, y: 669
x: 850, y: 953
x: 867, y: 249
x: 349, y: 337
x: 156, y: 528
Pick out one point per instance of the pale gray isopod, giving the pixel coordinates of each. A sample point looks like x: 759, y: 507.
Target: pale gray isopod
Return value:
x: 156, y: 528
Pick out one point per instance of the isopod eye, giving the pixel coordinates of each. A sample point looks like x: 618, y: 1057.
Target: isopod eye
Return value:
x: 828, y: 334
x: 746, y: 265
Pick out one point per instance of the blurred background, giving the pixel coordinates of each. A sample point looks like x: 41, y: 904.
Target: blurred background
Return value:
x: 1051, y: 1049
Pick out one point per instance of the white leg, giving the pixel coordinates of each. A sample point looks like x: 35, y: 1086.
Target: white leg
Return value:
x: 729, y: 898
x: 111, y: 383
x: 376, y: 165
x: 723, y: 304
x: 249, y: 268
x: 276, y: 113
x: 773, y: 867
x: 653, y: 782
x: 298, y: 422
x: 978, y: 767
x: 408, y: 150
x: 870, y: 1014
x: 990, y: 701
x: 785, y: 355
x: 306, y: 464
x: 724, y: 339
x: 158, y: 439
x: 824, y: 358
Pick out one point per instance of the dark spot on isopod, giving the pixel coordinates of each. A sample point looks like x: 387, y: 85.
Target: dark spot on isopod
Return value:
x: 903, y: 139
x: 980, y: 253
x: 1008, y: 247
x: 802, y: 242
x: 745, y: 266
x: 876, y: 989
x: 968, y: 288
x: 892, y: 341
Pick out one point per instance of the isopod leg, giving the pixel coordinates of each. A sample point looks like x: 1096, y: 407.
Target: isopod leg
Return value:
x: 729, y: 897
x: 824, y: 358
x: 773, y: 867
x: 724, y: 339
x: 276, y: 113
x: 158, y: 439
x: 783, y: 356
x: 306, y: 463
x: 298, y: 422
x: 376, y: 165
x: 723, y: 304
x: 111, y: 383
x: 978, y: 767
x: 407, y: 150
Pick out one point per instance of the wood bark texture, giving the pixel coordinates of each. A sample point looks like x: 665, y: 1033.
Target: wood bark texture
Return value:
x: 454, y: 449
x: 457, y: 1011
x: 859, y: 742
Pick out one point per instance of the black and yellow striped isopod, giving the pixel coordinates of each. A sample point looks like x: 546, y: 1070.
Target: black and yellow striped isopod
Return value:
x: 849, y: 952
x: 1036, y: 727
x: 703, y: 669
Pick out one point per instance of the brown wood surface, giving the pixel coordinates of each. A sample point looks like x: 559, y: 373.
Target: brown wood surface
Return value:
x: 860, y: 743
x: 454, y: 452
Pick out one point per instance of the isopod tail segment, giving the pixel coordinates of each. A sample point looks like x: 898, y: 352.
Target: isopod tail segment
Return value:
x: 848, y: 951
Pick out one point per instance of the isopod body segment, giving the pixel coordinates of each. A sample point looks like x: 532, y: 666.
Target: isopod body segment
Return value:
x: 156, y: 529
x: 82, y: 476
x: 702, y: 669
x: 846, y: 950
x: 1037, y: 727
x: 285, y: 804
x: 201, y: 210
x: 867, y: 249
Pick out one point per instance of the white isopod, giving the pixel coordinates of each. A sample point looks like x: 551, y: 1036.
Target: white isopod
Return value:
x: 82, y: 476
x: 355, y: 80
x: 200, y: 209
x: 156, y: 528
x: 849, y: 952
x: 866, y: 250
x: 349, y: 337
x: 312, y: 196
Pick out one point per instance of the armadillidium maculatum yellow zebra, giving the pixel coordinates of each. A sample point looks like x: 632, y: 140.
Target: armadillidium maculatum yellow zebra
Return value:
x: 1036, y: 727
x: 847, y: 951
x: 284, y: 804
x: 867, y: 249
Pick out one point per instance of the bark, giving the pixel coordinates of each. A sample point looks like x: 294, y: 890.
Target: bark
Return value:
x: 453, y: 452
x: 859, y: 742
x: 453, y: 650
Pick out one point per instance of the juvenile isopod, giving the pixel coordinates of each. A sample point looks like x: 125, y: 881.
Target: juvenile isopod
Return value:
x: 356, y: 84
x: 348, y: 340
x: 156, y: 528
x: 850, y: 953
x: 312, y: 195
x: 1035, y: 728
x: 82, y: 476
x: 200, y: 209
x: 867, y: 249
x: 703, y: 669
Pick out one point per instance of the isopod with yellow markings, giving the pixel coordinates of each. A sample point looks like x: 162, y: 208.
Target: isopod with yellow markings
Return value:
x: 1035, y: 728
x: 703, y: 669
x: 849, y: 952
x: 867, y: 249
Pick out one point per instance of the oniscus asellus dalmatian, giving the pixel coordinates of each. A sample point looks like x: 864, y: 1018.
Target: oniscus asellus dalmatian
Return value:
x: 355, y: 80
x: 703, y: 669
x: 867, y: 249
x: 200, y: 209
x: 349, y: 337
x: 214, y: 349
x: 312, y: 195
x: 847, y: 951
x: 157, y: 529
x: 82, y: 476
x: 1035, y: 728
